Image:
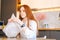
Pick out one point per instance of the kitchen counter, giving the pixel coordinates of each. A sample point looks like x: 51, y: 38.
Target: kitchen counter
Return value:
x: 48, y: 28
x: 24, y: 39
x: 49, y: 32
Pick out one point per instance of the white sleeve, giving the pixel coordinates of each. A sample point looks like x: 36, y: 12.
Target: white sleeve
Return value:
x: 27, y: 33
x: 19, y: 21
x: 11, y: 30
x: 33, y: 26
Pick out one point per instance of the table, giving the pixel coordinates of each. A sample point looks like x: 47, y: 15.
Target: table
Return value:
x: 24, y: 39
x: 49, y: 29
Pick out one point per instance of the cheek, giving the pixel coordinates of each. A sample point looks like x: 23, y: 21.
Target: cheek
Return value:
x: 23, y: 14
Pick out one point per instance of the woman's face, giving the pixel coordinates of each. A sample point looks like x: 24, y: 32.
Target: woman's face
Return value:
x: 23, y: 13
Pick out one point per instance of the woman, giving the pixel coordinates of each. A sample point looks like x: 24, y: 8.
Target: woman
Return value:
x: 27, y: 24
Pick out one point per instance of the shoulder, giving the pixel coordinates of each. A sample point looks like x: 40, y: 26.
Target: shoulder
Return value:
x: 33, y: 22
x: 33, y: 25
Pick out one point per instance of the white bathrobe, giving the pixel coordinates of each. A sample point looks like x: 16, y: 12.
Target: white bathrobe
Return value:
x: 29, y: 33
x: 13, y: 28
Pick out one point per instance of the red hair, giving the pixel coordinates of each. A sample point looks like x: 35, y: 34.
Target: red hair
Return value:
x: 29, y: 14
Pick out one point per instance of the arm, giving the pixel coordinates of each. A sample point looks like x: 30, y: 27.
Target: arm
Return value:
x: 29, y: 33
x: 15, y: 20
x: 33, y: 26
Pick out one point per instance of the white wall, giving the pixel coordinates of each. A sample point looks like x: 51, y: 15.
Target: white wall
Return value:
x: 52, y: 19
x: 41, y: 3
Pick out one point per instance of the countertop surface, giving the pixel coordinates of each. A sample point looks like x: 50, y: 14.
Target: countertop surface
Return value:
x: 48, y: 28
x: 24, y: 39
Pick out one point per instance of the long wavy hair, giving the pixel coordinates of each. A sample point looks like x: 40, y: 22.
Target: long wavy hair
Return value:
x: 29, y: 14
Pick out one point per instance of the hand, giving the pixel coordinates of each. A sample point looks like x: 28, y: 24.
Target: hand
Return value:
x: 17, y: 20
x: 10, y: 20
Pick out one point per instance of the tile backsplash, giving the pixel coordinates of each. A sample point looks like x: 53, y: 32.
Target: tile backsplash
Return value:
x: 51, y: 20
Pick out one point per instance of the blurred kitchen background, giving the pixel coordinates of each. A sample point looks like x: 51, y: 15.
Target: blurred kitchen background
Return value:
x: 47, y: 13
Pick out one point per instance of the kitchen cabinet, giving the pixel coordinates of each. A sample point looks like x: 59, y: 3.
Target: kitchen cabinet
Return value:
x: 50, y: 33
x: 8, y: 7
x: 2, y: 34
x: 0, y: 9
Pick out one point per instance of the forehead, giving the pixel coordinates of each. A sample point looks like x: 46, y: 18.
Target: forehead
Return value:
x: 22, y: 8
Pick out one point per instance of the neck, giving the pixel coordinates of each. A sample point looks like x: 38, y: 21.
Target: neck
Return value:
x: 24, y: 19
